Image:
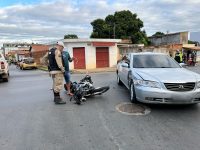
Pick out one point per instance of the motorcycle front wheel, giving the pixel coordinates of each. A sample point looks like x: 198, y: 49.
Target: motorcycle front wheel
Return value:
x: 100, y: 90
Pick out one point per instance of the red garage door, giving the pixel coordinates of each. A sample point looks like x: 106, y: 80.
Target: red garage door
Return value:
x: 102, y: 57
x: 79, y: 55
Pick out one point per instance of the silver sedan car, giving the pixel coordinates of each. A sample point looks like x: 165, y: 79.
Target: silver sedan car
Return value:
x: 157, y: 78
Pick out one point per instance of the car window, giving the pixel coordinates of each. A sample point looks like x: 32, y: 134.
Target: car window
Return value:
x: 154, y: 61
x: 29, y: 61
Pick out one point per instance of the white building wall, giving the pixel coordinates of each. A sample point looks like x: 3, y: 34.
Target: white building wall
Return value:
x: 90, y: 54
x: 113, y: 55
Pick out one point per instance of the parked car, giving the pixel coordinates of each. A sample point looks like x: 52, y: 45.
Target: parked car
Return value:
x: 28, y: 63
x: 158, y: 78
x: 4, y: 68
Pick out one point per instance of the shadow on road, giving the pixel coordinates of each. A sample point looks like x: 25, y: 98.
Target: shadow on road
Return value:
x: 172, y: 107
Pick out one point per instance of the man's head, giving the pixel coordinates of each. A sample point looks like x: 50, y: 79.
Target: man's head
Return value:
x: 60, y: 45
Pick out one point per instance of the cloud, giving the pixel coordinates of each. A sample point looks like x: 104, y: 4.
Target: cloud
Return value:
x: 46, y: 20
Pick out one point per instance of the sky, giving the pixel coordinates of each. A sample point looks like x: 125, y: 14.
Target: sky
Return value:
x: 42, y: 21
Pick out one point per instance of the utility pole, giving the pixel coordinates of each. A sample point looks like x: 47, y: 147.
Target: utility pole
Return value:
x: 114, y: 30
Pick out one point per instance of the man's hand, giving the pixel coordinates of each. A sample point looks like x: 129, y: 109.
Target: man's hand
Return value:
x: 63, y: 70
x: 73, y: 58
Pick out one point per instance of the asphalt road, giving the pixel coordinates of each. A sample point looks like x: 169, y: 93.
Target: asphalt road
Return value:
x: 29, y: 120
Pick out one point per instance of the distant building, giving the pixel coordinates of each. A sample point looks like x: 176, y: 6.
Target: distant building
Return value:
x: 168, y: 39
x: 38, y: 51
x: 125, y: 48
x: 20, y: 50
x: 8, y: 47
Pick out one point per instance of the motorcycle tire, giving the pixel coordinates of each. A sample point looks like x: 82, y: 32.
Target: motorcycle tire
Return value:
x: 100, y: 90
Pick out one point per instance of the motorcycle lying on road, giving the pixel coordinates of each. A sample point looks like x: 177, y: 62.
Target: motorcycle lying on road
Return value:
x: 84, y: 89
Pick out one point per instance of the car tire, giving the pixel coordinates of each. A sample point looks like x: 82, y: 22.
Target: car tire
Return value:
x: 119, y: 82
x: 5, y: 79
x: 132, y: 93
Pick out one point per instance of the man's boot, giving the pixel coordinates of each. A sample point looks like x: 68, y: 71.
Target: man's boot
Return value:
x: 57, y: 99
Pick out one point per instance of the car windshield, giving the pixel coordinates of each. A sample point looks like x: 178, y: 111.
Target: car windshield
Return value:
x: 29, y: 60
x: 153, y: 61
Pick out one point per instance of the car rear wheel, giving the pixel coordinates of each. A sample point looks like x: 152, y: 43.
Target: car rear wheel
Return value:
x: 119, y: 82
x: 132, y: 93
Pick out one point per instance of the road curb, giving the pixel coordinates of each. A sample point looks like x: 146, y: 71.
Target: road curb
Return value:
x: 83, y: 71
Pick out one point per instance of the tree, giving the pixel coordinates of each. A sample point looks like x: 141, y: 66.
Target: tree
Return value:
x: 100, y: 29
x: 193, y: 42
x: 158, y: 34
x: 70, y: 36
x: 121, y: 25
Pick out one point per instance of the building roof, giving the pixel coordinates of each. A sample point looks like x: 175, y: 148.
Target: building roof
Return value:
x: 196, y: 48
x: 91, y: 40
x: 168, y: 34
x: 39, y: 47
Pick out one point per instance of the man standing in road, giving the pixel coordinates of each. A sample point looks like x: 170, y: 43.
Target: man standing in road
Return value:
x: 66, y: 59
x: 56, y: 68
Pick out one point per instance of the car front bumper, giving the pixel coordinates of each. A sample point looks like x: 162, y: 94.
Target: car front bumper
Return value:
x: 164, y: 96
x: 3, y: 74
x: 29, y: 66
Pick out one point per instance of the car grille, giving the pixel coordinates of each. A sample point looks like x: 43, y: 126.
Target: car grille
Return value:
x: 180, y: 87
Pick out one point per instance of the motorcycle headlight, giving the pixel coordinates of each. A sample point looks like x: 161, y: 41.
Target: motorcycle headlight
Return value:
x: 198, y: 84
x: 145, y: 83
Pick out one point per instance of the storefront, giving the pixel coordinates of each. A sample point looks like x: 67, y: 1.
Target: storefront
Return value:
x: 191, y: 55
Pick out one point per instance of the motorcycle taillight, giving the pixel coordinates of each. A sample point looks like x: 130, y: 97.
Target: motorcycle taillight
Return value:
x: 2, y: 65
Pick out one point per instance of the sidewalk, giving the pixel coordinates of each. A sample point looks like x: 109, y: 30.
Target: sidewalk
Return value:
x: 84, y: 71
x: 97, y: 70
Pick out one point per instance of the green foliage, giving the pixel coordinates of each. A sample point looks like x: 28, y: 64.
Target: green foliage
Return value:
x: 100, y: 29
x: 158, y: 34
x: 70, y: 36
x: 193, y: 42
x: 121, y: 25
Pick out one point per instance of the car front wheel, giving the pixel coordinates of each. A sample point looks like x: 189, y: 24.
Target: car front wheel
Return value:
x: 119, y: 82
x: 132, y: 93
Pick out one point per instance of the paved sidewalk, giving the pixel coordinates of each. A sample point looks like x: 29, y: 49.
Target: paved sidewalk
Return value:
x: 97, y: 70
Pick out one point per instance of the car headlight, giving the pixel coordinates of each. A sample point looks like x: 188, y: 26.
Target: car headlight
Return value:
x: 145, y: 83
x: 198, y: 84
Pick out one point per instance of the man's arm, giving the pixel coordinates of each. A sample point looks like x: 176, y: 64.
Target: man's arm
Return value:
x: 44, y: 59
x: 58, y: 57
x: 70, y: 59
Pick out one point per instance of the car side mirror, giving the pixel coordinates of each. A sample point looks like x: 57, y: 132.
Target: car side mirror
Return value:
x: 183, y: 65
x: 125, y: 65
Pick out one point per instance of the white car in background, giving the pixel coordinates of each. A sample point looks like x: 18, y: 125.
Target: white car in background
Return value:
x: 4, y: 68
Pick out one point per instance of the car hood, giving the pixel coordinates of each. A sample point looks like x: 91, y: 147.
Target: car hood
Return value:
x: 168, y: 75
